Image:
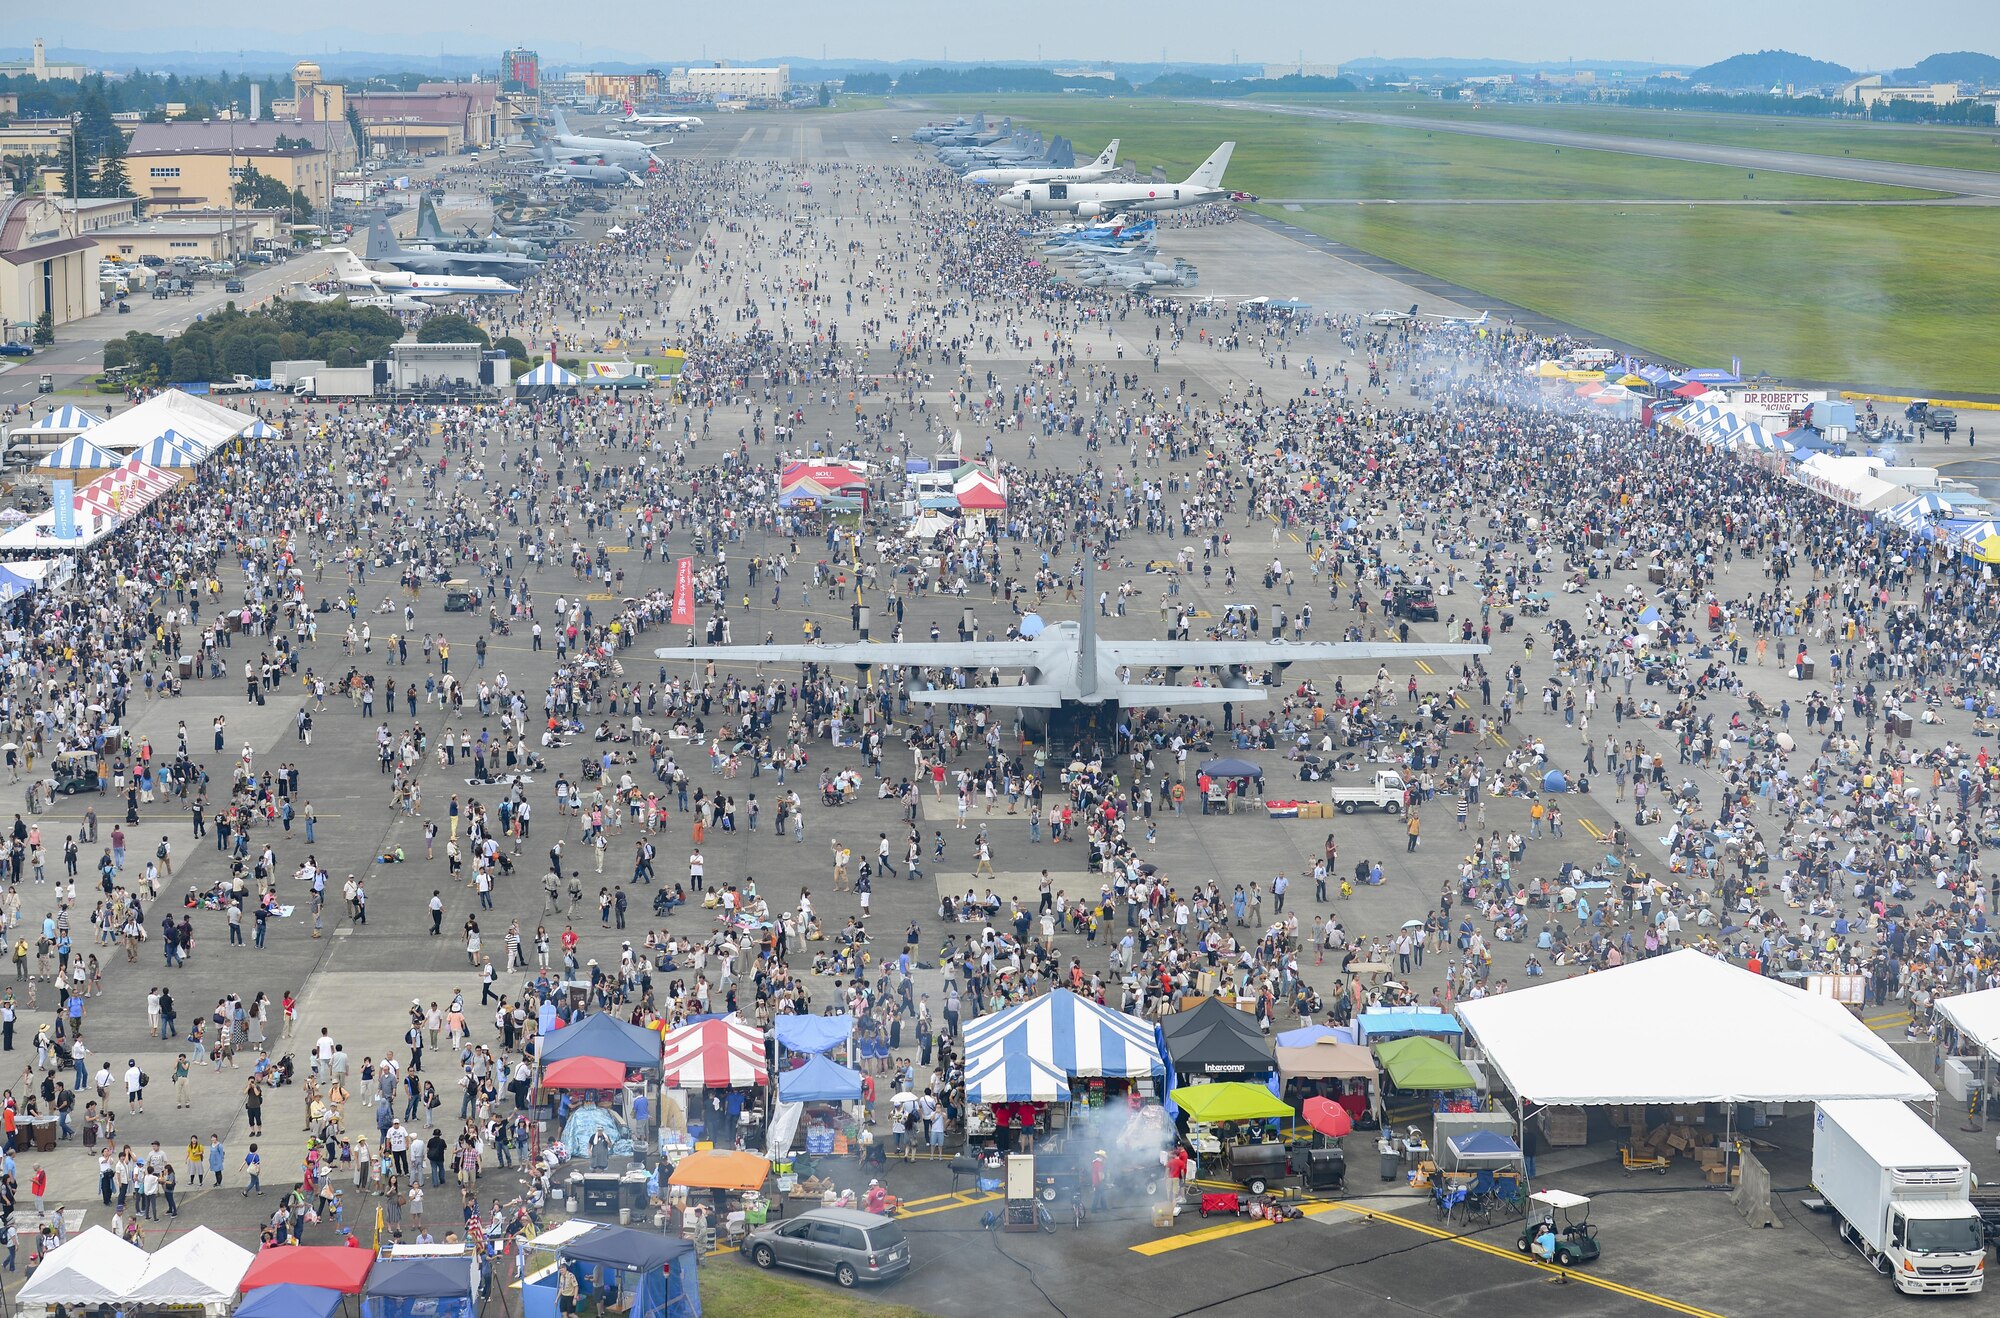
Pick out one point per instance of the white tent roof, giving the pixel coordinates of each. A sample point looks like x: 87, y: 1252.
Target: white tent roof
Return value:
x: 1683, y: 1028
x: 197, y: 1268
x: 93, y: 1268
x: 208, y: 424
x: 1977, y: 1016
x: 69, y: 419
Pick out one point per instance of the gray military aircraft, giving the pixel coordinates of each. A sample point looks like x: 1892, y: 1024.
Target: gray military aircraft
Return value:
x: 1067, y: 673
x: 598, y: 175
x: 383, y: 246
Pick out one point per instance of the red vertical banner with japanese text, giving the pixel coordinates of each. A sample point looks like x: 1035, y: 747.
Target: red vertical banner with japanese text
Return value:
x: 684, y: 593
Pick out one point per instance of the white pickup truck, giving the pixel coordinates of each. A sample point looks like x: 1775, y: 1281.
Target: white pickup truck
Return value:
x: 1384, y: 791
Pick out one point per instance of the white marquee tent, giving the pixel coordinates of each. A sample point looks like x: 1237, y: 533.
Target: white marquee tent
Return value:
x: 1977, y: 1016
x: 198, y: 1268
x: 93, y: 1268
x: 1683, y: 1028
x: 209, y: 425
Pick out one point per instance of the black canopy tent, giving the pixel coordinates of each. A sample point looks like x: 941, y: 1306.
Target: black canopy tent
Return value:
x: 1217, y: 1041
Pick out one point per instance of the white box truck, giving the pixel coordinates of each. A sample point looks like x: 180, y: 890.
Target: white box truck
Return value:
x: 1900, y: 1194
x: 1383, y: 790
x: 337, y: 382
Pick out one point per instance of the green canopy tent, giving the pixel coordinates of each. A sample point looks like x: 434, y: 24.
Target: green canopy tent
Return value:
x: 1229, y: 1101
x: 1421, y: 1062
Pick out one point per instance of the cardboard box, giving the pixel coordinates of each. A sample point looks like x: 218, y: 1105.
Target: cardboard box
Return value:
x: 1566, y: 1127
x: 1716, y: 1175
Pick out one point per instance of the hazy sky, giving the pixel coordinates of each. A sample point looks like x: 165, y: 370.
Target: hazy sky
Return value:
x: 1858, y: 33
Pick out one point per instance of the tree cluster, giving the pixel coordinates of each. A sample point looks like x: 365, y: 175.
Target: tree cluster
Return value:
x: 230, y: 342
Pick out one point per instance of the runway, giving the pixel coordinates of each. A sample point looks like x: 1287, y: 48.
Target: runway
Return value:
x: 1968, y: 183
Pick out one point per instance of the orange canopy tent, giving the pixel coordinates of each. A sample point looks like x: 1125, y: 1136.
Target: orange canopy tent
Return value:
x: 721, y: 1169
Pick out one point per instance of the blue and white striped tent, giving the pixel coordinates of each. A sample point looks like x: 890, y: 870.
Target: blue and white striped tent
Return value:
x: 1027, y: 1052
x: 261, y: 429
x: 548, y: 376
x: 172, y: 449
x: 1914, y: 510
x: 69, y: 419
x: 79, y: 454
x: 1011, y: 1076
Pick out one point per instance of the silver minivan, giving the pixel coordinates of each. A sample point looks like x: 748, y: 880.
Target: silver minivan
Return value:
x: 840, y: 1243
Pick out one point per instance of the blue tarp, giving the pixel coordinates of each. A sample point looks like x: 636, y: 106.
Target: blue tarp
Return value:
x: 1373, y: 1025
x: 603, y: 1036
x: 812, y: 1034
x: 13, y: 583
x: 289, y: 1300
x: 583, y: 1125
x: 820, y: 1080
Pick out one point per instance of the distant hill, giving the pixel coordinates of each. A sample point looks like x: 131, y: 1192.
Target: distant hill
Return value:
x: 1770, y: 68
x: 1964, y: 66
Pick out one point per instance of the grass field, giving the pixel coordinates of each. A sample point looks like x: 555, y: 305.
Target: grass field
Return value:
x: 1278, y: 156
x: 1873, y: 296
x: 1905, y: 144
x: 731, y: 1288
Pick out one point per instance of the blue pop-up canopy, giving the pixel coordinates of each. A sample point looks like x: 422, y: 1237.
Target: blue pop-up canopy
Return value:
x: 812, y: 1034
x: 444, y: 1287
x: 290, y: 1300
x: 820, y: 1080
x: 614, y: 1265
x: 603, y: 1036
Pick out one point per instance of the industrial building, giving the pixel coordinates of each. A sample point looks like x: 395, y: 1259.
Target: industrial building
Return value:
x: 730, y: 82
x: 45, y: 265
x: 224, y: 239
x: 197, y: 162
x: 1870, y: 91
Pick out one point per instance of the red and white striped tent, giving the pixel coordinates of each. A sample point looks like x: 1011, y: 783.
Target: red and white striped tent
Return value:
x: 722, y: 1053
x: 979, y: 492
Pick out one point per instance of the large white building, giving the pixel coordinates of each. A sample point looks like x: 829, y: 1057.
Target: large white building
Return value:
x: 1870, y: 91
x: 41, y: 68
x: 730, y: 82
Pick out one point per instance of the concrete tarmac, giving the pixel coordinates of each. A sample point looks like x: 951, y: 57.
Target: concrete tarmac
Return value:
x: 1684, y: 1251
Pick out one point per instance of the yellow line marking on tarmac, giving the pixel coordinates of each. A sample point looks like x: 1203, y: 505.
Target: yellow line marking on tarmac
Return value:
x: 1427, y: 668
x: 1893, y: 1021
x: 1498, y: 1251
x: 1295, y: 537
x: 1222, y: 1231
x: 964, y: 1199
